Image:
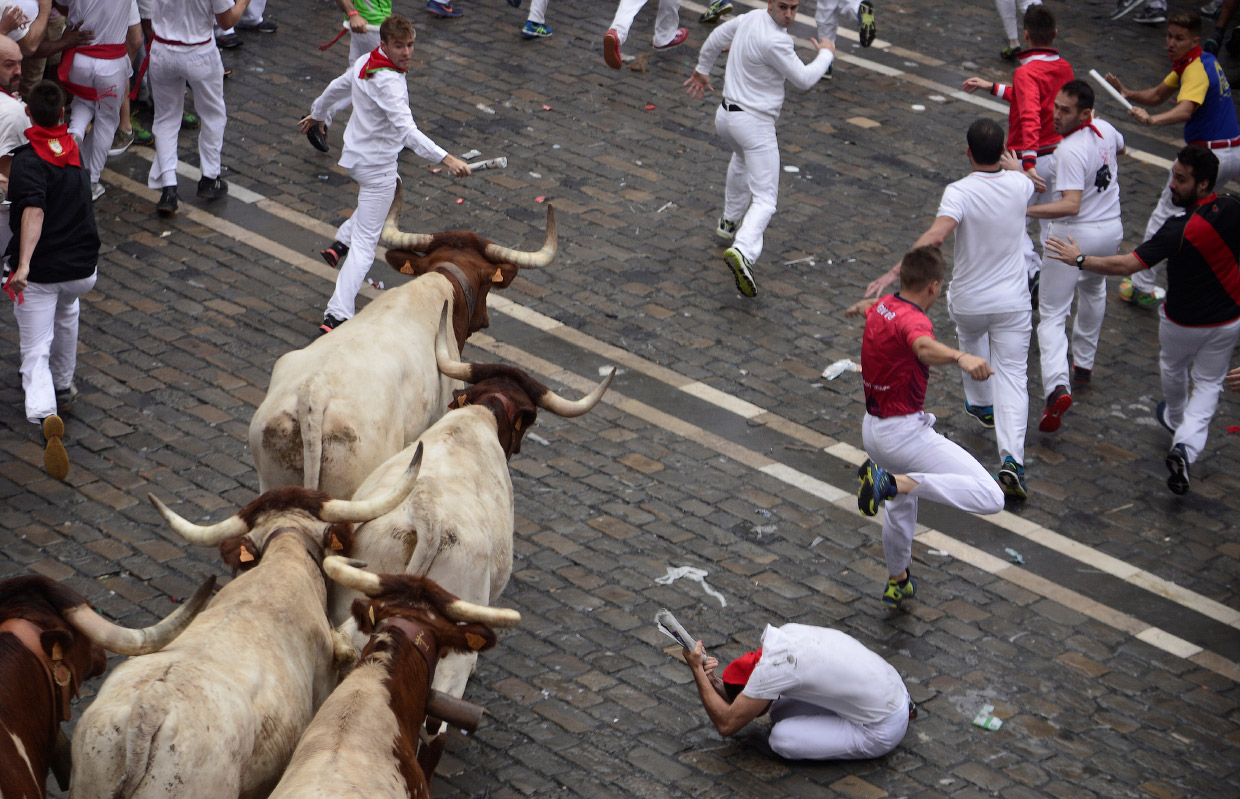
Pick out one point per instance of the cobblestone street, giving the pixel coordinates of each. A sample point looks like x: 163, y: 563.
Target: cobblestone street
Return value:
x: 1111, y: 651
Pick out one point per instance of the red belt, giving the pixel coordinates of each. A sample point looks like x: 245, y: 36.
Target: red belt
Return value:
x: 105, y: 51
x: 1218, y: 144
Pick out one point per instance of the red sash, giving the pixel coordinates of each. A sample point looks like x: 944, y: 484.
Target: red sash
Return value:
x: 54, y: 145
x: 88, y: 93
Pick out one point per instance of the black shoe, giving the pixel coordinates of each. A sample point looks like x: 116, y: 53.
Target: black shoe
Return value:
x: 318, y: 138
x: 1081, y: 376
x: 329, y: 324
x: 266, y: 26
x: 335, y: 254
x: 228, y: 41
x: 167, y: 205
x: 212, y: 188
x: 1177, y: 464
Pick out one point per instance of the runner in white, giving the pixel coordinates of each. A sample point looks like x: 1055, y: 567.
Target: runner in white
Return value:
x: 1087, y: 181
x: 761, y: 57
x: 827, y: 17
x: 667, y: 30
x: 381, y: 126
x: 184, y: 52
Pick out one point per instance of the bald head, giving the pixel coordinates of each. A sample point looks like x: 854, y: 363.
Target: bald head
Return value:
x: 10, y: 65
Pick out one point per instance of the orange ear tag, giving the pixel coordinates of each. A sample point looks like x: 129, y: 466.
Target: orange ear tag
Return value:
x: 475, y: 641
x: 245, y: 557
x: 336, y: 545
x: 498, y: 277
x: 57, y: 652
x: 407, y: 269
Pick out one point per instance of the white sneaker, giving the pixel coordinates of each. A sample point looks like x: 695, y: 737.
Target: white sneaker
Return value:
x: 1122, y: 7
x: 96, y: 191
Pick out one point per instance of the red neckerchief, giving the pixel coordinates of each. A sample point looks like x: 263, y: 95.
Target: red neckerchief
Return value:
x: 1179, y: 66
x: 54, y: 145
x: 1206, y: 200
x: 378, y: 60
x: 1089, y: 125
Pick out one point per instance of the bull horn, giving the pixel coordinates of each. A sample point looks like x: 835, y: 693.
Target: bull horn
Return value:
x: 127, y: 641
x: 460, y: 610
x: 528, y: 260
x: 350, y: 574
x: 569, y: 408
x: 363, y: 510
x: 199, y: 535
x: 449, y: 366
x: 392, y: 235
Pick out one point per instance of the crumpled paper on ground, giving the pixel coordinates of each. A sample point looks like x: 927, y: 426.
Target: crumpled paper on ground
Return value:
x: 674, y: 573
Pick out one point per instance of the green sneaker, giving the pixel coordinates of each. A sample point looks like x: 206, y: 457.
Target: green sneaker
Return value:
x: 984, y: 414
x: 1134, y: 296
x: 741, y: 272
x: 190, y: 121
x: 716, y: 10
x: 866, y: 29
x: 898, y: 591
x: 1009, y: 53
x: 1011, y: 477
x: 141, y: 136
x: 875, y: 486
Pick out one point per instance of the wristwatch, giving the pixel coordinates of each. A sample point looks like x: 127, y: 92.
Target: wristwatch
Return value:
x: 1080, y: 261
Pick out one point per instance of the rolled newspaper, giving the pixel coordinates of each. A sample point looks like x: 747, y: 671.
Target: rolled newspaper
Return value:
x: 490, y: 163
x: 369, y: 28
x: 1119, y: 98
x: 671, y: 628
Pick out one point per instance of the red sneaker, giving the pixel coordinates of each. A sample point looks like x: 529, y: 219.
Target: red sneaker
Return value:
x: 677, y: 40
x: 1057, y: 404
x: 611, y: 49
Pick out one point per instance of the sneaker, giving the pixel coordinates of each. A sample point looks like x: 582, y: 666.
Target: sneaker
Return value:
x: 896, y: 593
x: 1152, y: 16
x: 329, y: 324
x: 212, y: 188
x: 335, y: 254
x: 1210, y: 10
x: 714, y: 11
x: 726, y: 229
x: 264, y: 26
x: 1210, y: 46
x: 167, y: 205
x: 190, y: 121
x: 681, y: 35
x: 55, y: 458
x: 740, y: 267
x: 1009, y: 53
x: 982, y: 413
x: 1012, y: 477
x: 121, y: 142
x: 66, y: 397
x: 830, y: 73
x: 442, y: 9
x: 1035, y: 285
x: 514, y: 3
x: 228, y: 41
x: 1177, y: 464
x: 96, y: 191
x: 1131, y: 295
x: 1160, y: 413
x: 317, y: 138
x: 876, y: 486
x: 536, y: 30
x: 611, y: 49
x: 1081, y: 376
x: 141, y: 136
x: 867, y: 30
x: 1057, y: 404
x: 1122, y: 7
x: 912, y: 706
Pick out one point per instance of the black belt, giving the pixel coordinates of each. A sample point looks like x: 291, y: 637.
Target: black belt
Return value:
x: 731, y: 106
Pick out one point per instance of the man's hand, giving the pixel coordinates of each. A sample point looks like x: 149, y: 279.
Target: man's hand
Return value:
x: 709, y: 664
x: 1061, y: 250
x: 861, y: 306
x: 1140, y: 114
x: 695, y: 657
x: 698, y: 85
x: 1232, y: 381
x: 456, y: 166
x: 11, y: 20
x: 879, y: 283
x: 76, y: 36
x: 974, y: 367
x: 357, y: 24
x: 307, y: 122
x: 17, y: 283
x: 1039, y: 185
x: 1116, y: 84
x: 824, y: 44
x: 976, y: 85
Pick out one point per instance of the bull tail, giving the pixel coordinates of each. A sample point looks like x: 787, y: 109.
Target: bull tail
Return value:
x: 311, y: 405
x: 145, y: 722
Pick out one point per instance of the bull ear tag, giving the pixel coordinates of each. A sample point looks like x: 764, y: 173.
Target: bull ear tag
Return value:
x: 498, y: 277
x: 407, y: 269
x: 475, y: 642
x: 245, y: 556
x: 60, y: 672
x: 336, y: 545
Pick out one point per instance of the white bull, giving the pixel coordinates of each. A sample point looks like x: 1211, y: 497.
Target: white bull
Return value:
x: 217, y: 713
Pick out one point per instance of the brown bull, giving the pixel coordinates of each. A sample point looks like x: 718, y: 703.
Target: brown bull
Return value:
x: 364, y: 740
x: 50, y: 643
x: 340, y: 407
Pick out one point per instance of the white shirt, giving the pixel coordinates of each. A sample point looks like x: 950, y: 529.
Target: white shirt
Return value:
x: 13, y: 123
x: 188, y: 21
x: 761, y: 58
x: 382, y: 124
x: 829, y: 669
x: 30, y: 8
x: 989, y: 274
x: 1087, y: 162
x: 109, y: 19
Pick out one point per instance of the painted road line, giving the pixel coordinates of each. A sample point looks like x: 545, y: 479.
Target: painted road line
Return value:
x: 240, y: 193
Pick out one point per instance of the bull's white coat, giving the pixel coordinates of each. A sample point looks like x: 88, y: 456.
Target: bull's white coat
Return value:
x: 455, y: 527
x: 217, y: 713
x: 338, y: 408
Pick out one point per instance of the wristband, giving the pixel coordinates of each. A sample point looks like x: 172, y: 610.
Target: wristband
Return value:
x: 352, y: 13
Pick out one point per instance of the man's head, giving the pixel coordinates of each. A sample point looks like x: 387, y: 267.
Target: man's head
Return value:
x: 1192, y: 176
x: 397, y: 34
x: 1183, y: 33
x: 736, y: 676
x: 10, y: 65
x: 782, y: 11
x: 1039, y: 26
x: 921, y: 275
x: 985, y: 138
x: 1074, y: 106
x: 45, y: 102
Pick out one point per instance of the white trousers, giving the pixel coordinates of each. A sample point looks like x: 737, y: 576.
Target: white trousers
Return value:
x: 945, y: 473
x: 362, y: 43
x: 665, y: 24
x: 376, y: 186
x: 1059, y: 283
x: 752, y: 188
x: 252, y: 15
x: 1204, y: 353
x: 803, y: 731
x: 47, y: 323
x: 1008, y: 11
x: 827, y: 15
x: 538, y: 13
x: 1003, y: 340
x: 109, y: 77
x: 1228, y: 169
x: 171, y: 69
